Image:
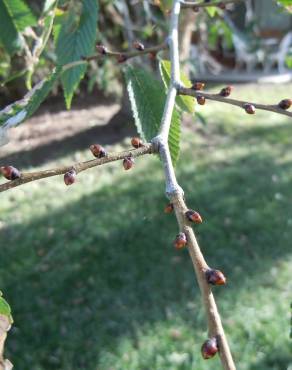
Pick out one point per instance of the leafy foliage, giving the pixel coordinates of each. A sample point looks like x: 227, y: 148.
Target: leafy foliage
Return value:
x: 75, y: 35
x: 147, y: 98
x: 185, y: 103
x: 287, y: 4
x: 15, y: 16
x: 22, y: 109
x: 5, y: 308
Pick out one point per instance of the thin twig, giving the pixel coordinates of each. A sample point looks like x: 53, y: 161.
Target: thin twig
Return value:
x: 186, y: 4
x: 129, y: 54
x: 175, y: 194
x: 238, y: 103
x: 78, y: 167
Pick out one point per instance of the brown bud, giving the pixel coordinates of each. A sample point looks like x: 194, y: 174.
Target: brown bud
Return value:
x: 201, y: 100
x: 10, y: 172
x: 97, y: 150
x: 215, y: 277
x: 152, y: 55
x: 128, y: 163
x: 285, y: 104
x: 198, y: 86
x: 209, y: 348
x: 168, y: 208
x: 70, y: 177
x: 180, y: 241
x: 249, y: 108
x: 136, y: 142
x: 194, y: 216
x: 101, y: 49
x: 121, y: 58
x: 138, y: 45
x: 196, y: 9
x: 226, y: 91
x: 221, y: 5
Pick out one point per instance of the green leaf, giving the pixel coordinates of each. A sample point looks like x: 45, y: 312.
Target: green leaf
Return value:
x: 20, y: 110
x: 287, y: 4
x: 5, y: 309
x: 75, y: 35
x: 147, y: 98
x: 212, y: 11
x: 186, y: 103
x: 20, y: 14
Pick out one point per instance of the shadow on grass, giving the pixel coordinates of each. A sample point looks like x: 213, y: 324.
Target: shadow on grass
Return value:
x: 104, y: 267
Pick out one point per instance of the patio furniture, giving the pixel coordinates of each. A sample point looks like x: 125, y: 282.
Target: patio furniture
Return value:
x: 279, y: 56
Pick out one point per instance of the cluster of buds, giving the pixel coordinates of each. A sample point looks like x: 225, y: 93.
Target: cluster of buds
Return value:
x: 193, y: 216
x: 209, y: 348
x: 10, y: 172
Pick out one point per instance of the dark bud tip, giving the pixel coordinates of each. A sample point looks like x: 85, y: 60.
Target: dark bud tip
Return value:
x: 222, y: 6
x: 180, y: 241
x: 249, y: 108
x: 121, y: 58
x: 70, y: 177
x: 215, y: 277
x: 285, y: 104
x: 209, y: 348
x: 168, y: 208
x: 101, y: 49
x: 194, y: 216
x: 196, y: 9
x: 201, y: 100
x: 138, y: 46
x: 136, y: 142
x: 128, y: 163
x: 10, y: 172
x: 198, y: 86
x: 97, y: 150
x: 226, y: 91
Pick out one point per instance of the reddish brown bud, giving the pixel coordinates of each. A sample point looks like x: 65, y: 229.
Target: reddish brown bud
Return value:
x: 285, y: 104
x: 152, y: 55
x: 97, y: 150
x: 128, y: 163
x: 168, y: 208
x: 226, y: 91
x: 196, y: 9
x: 215, y: 277
x: 194, y: 216
x: 101, y: 49
x: 221, y: 5
x: 121, y: 58
x: 180, y: 241
x: 198, y: 86
x: 209, y: 348
x: 136, y: 142
x: 70, y: 177
x: 138, y: 45
x: 249, y: 108
x: 10, y: 172
x: 201, y: 100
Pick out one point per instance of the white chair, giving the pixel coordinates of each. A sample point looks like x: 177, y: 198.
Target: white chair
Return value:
x: 278, y: 57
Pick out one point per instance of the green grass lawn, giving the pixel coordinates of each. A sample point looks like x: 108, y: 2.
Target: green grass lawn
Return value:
x: 95, y: 283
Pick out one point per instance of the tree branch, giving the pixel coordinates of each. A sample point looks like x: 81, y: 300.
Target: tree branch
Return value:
x: 175, y: 194
x: 238, y: 103
x: 186, y: 4
x: 78, y: 167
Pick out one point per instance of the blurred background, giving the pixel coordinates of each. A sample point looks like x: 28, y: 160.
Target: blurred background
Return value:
x: 89, y: 270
